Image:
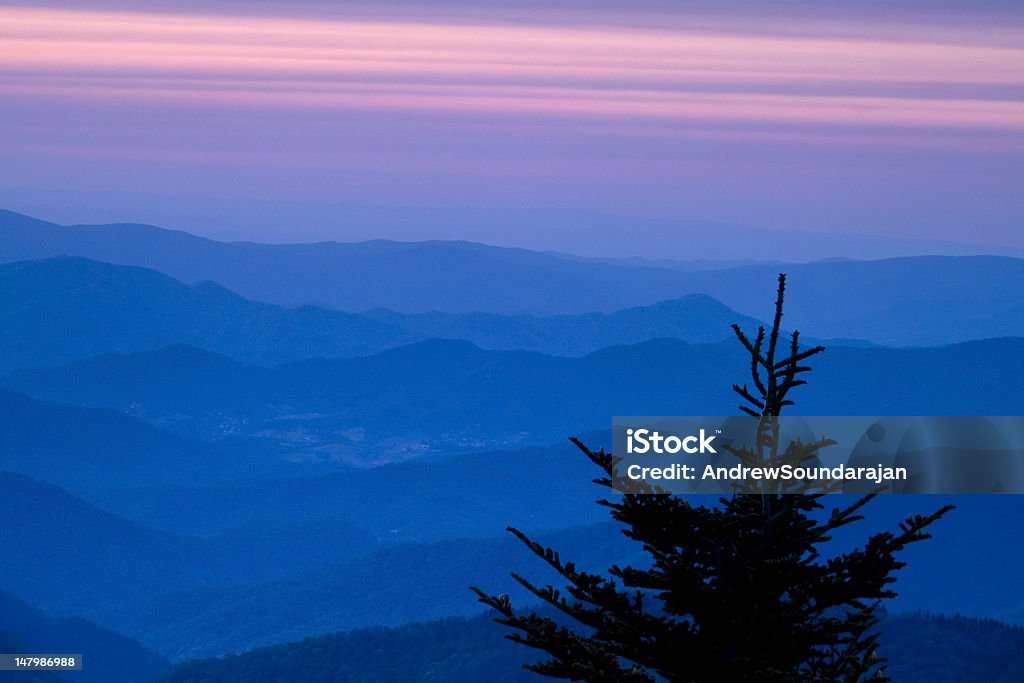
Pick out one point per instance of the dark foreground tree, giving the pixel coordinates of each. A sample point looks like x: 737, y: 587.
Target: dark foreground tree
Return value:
x: 737, y: 592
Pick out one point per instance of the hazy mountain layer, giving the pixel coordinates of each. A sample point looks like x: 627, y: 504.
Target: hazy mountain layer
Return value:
x: 898, y: 301
x: 187, y: 596
x: 104, y: 308
x: 73, y: 558
x: 89, y: 449
x: 440, y: 397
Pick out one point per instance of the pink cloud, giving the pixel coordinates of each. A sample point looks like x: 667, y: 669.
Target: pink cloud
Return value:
x: 517, y: 70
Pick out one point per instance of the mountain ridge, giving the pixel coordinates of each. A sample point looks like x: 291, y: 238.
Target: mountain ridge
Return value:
x: 106, y: 655
x: 834, y: 298
x: 105, y: 308
x: 88, y: 448
x: 919, y: 648
x: 440, y: 397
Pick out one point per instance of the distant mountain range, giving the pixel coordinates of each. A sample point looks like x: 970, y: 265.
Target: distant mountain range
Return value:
x: 157, y: 586
x: 90, y: 562
x: 539, y: 490
x: 404, y: 276
x: 89, y: 449
x: 594, y: 234
x: 693, y: 318
x: 103, y: 308
x: 440, y: 397
x: 395, y: 585
x: 212, y: 446
x: 413, y: 582
x: 464, y: 496
x: 188, y: 596
x: 901, y: 301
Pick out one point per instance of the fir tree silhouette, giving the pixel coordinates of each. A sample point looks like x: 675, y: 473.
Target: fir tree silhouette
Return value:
x: 736, y: 592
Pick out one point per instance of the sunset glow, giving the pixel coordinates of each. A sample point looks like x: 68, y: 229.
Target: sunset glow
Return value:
x: 479, y: 107
x: 522, y: 70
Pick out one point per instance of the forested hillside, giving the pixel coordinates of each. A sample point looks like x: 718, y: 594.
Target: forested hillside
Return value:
x: 919, y: 649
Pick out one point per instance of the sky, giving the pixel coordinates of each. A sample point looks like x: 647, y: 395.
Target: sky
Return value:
x: 588, y: 129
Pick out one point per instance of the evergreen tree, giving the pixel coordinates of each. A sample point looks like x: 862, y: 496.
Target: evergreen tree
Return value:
x: 738, y: 591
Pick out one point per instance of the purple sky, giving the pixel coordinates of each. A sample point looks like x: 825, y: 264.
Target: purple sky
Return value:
x: 285, y: 122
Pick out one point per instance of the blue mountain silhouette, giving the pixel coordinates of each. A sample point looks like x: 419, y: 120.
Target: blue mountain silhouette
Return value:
x: 897, y: 301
